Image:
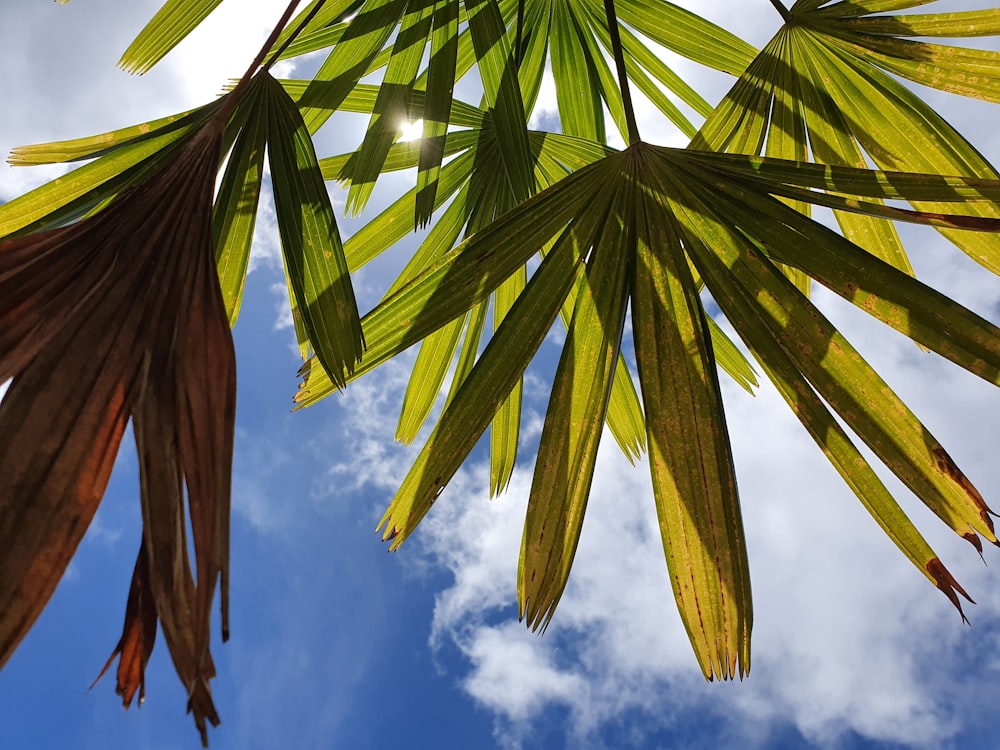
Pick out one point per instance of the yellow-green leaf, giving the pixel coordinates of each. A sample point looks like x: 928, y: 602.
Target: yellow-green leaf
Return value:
x: 694, y: 484
x: 172, y: 22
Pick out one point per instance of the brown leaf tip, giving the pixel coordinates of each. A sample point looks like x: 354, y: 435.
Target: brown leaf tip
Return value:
x: 973, y: 538
x: 945, y: 581
x: 138, y: 635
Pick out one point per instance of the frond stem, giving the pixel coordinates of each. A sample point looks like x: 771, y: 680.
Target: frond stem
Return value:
x: 291, y: 37
x: 232, y: 99
x: 785, y: 15
x: 234, y: 96
x: 616, y: 46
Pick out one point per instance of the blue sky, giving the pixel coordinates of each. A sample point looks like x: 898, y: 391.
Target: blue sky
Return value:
x: 337, y: 644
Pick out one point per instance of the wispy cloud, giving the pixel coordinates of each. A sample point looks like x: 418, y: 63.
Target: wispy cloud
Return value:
x: 369, y: 456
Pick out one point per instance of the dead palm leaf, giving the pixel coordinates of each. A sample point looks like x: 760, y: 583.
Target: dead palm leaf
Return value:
x: 114, y: 316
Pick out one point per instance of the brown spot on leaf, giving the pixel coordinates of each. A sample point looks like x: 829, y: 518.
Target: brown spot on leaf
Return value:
x: 946, y: 465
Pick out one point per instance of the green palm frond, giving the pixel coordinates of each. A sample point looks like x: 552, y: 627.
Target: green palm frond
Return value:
x: 742, y: 210
x: 626, y: 228
x: 477, y: 198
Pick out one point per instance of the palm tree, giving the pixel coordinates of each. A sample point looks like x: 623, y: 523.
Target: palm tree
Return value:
x: 526, y: 226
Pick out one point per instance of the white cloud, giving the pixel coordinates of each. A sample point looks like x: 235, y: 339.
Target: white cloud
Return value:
x: 223, y: 46
x: 370, y: 409
x: 545, y: 115
x: 524, y: 677
x: 283, y: 308
x: 266, y: 248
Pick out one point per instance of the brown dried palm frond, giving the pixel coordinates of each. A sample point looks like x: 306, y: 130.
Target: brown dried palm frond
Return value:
x: 118, y: 316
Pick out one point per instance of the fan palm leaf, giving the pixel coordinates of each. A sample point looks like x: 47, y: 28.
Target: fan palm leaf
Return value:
x: 118, y: 313
x: 626, y: 211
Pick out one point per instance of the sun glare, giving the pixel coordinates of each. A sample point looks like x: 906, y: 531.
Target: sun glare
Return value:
x: 411, y: 131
